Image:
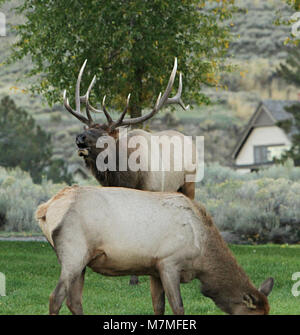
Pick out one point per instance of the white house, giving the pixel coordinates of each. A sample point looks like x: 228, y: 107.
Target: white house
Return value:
x: 263, y: 140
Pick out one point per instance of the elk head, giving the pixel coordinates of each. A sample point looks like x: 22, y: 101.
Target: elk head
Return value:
x: 255, y: 302
x: 86, y: 141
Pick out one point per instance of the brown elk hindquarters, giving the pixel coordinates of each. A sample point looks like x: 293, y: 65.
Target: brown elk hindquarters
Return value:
x: 73, y: 262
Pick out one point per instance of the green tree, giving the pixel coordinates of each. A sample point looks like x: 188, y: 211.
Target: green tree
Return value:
x: 289, y: 21
x: 294, y: 4
x: 290, y: 69
x: 24, y: 144
x: 130, y: 46
x: 290, y: 72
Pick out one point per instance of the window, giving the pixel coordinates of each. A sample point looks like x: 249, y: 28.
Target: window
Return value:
x: 261, y: 154
x: 266, y: 153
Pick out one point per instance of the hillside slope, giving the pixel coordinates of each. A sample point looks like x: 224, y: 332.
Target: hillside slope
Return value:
x: 257, y: 53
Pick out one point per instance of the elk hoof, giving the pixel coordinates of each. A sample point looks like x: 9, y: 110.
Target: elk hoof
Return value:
x: 134, y: 280
x: 83, y: 152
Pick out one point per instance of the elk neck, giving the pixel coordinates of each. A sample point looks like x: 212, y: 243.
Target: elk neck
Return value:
x: 112, y: 178
x: 222, y: 279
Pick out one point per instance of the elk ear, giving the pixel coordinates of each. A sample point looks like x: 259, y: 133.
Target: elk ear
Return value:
x: 249, y: 301
x: 266, y: 286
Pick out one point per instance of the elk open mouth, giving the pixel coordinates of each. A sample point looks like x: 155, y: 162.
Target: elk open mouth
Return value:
x: 82, y: 150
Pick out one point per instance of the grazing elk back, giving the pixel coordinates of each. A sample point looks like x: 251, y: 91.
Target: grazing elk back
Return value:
x: 119, y: 231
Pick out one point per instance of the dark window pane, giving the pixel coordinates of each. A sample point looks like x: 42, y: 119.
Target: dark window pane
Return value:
x: 261, y: 154
x: 256, y: 155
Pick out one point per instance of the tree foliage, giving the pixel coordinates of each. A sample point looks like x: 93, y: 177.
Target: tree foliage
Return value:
x: 130, y: 46
x: 24, y: 144
x: 294, y: 3
x: 290, y: 71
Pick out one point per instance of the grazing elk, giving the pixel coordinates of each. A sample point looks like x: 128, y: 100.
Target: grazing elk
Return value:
x: 170, y: 181
x: 120, y: 231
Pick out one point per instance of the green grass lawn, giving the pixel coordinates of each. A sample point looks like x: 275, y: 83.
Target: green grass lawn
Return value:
x: 32, y: 271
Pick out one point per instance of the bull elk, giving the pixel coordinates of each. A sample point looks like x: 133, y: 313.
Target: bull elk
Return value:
x: 170, y: 181
x: 171, y: 238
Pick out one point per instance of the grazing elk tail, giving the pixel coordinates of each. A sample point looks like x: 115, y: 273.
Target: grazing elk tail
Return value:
x: 40, y: 214
x: 50, y: 215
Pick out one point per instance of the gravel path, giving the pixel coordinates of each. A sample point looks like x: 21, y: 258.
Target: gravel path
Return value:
x: 24, y: 239
x: 227, y: 236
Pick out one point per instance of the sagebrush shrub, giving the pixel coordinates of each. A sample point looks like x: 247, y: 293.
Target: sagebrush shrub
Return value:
x: 19, y: 198
x: 261, y: 207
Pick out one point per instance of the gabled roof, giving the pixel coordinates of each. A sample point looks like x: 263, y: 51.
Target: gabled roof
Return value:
x: 276, y: 110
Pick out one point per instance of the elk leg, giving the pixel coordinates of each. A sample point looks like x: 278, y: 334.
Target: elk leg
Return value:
x: 188, y: 189
x: 72, y: 272
x: 170, y: 279
x: 134, y: 280
x: 74, y: 298
x: 57, y: 297
x: 158, y: 295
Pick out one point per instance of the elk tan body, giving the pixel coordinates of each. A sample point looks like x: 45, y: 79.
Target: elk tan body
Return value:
x: 138, y: 143
x: 119, y: 231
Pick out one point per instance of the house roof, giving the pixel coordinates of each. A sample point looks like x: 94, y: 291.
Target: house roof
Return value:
x: 276, y: 109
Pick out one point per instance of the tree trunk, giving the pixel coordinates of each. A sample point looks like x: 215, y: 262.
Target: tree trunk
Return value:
x: 135, y: 109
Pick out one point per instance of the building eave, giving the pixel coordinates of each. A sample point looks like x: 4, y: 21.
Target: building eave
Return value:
x: 246, y: 132
x: 252, y: 166
x: 263, y: 107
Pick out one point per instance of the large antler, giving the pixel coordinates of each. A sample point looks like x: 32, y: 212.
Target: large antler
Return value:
x: 161, y: 101
x: 78, y: 99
